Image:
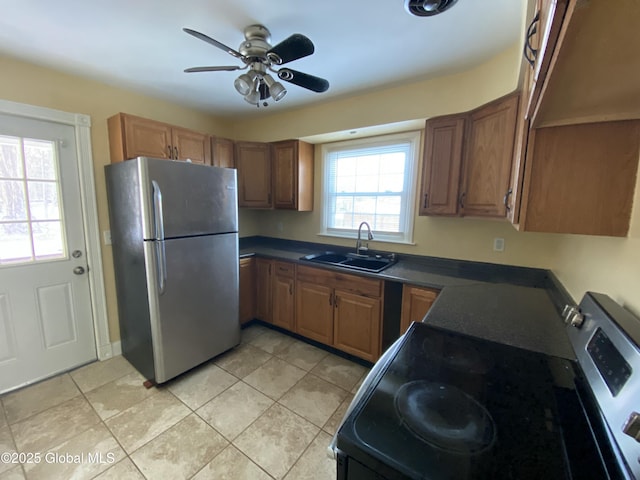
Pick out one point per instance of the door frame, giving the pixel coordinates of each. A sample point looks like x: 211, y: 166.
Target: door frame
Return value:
x: 91, y: 228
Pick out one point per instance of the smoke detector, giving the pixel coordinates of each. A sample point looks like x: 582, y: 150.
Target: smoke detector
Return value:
x: 427, y: 8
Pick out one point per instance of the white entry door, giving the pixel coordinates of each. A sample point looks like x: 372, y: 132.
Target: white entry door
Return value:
x: 46, y: 323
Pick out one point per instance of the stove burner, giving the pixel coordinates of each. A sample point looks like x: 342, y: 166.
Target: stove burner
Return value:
x: 445, y: 417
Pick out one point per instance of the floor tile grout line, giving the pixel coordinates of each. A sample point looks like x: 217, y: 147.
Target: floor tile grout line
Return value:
x: 302, y: 454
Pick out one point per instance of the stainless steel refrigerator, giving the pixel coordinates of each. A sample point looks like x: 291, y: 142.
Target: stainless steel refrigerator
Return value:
x: 174, y: 231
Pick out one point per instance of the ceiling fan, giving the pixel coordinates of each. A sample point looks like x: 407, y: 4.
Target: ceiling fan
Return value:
x: 260, y: 58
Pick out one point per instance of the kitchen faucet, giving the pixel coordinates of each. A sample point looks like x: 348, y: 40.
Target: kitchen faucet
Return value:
x: 359, y: 246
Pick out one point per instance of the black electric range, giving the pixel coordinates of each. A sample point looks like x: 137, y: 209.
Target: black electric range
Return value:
x: 443, y: 405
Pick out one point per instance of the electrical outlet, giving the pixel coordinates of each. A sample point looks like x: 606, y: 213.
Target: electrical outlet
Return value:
x: 106, y: 236
x: 280, y: 227
x: 498, y: 244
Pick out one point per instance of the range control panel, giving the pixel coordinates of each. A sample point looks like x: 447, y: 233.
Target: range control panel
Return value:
x: 610, y: 363
x: 607, y: 346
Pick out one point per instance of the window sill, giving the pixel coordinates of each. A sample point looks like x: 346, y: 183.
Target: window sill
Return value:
x: 355, y: 237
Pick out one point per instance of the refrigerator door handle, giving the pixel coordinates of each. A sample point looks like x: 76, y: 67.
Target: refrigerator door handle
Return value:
x: 161, y: 262
x: 158, y: 221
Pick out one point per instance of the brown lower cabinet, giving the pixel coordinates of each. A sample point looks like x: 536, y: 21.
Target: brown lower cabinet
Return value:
x: 247, y: 290
x: 416, y: 302
x: 264, y: 271
x: 340, y: 310
x: 333, y: 308
x: 283, y: 295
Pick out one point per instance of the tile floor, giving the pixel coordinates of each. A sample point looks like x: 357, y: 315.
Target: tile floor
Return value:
x: 265, y: 410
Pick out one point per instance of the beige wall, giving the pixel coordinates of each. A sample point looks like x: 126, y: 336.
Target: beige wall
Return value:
x: 582, y: 263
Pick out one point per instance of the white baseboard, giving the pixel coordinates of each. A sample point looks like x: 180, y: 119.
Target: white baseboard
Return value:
x: 116, y: 348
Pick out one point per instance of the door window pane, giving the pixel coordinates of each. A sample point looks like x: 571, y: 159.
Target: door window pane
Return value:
x: 13, y: 201
x: 31, y: 226
x: 15, y: 243
x: 47, y: 240
x: 10, y: 163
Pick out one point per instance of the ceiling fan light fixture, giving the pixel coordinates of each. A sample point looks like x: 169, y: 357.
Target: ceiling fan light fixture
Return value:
x: 245, y: 82
x: 253, y: 97
x: 275, y: 88
x: 427, y: 8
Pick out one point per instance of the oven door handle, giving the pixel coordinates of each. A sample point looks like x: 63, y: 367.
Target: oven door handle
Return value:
x: 364, y: 389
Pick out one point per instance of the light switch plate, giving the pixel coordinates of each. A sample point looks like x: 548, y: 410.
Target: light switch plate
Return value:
x: 498, y: 244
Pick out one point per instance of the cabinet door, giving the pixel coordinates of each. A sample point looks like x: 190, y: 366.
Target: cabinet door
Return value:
x: 191, y: 145
x: 247, y: 289
x: 314, y: 311
x: 292, y: 175
x: 283, y: 302
x: 253, y: 161
x: 416, y: 302
x: 263, y: 289
x: 222, y: 152
x: 357, y: 325
x: 581, y: 178
x: 285, y: 175
x: 442, y: 161
x: 488, y: 158
x: 146, y: 138
x: 542, y: 36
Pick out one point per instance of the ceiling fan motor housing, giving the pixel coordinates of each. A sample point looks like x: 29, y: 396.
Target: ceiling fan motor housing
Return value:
x: 257, y: 42
x: 427, y: 8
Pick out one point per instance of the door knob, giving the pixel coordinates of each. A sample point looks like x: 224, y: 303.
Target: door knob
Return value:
x: 78, y: 270
x: 76, y: 254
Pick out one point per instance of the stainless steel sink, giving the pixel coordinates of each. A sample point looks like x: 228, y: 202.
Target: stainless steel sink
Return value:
x: 373, y: 264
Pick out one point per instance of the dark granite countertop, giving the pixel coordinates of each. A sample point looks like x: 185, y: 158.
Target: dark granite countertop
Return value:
x: 517, y: 306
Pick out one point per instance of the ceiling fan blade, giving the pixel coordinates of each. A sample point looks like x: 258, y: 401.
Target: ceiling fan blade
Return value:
x: 213, y: 42
x: 292, y: 48
x: 304, y: 80
x: 227, y: 68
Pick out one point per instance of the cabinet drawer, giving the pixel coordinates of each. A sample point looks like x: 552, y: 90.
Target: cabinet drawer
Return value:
x: 368, y: 287
x: 285, y: 269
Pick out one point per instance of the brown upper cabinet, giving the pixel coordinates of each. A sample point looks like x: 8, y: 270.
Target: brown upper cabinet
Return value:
x: 467, y: 161
x: 253, y: 161
x: 441, y: 171
x: 578, y: 134
x: 292, y: 175
x: 540, y: 41
x: 222, y: 152
x: 275, y: 175
x: 131, y: 136
x: 591, y: 60
x: 488, y: 155
x: 581, y: 178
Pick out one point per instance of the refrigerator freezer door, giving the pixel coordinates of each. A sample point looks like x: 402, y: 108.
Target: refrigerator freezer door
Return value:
x: 196, y: 199
x: 196, y: 317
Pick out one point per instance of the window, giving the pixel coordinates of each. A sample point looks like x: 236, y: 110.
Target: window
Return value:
x: 30, y: 206
x: 371, y: 180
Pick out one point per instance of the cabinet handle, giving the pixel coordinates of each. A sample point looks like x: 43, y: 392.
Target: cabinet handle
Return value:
x: 506, y: 199
x: 529, y: 52
x: 335, y: 301
x: 461, y: 201
x: 175, y: 150
x: 169, y: 150
x: 291, y: 289
x: 331, y: 299
x: 425, y: 203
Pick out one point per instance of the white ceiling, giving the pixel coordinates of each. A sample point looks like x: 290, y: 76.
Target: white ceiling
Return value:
x: 359, y: 45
